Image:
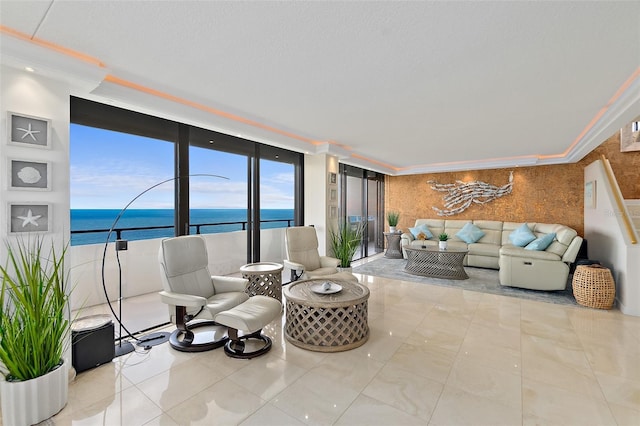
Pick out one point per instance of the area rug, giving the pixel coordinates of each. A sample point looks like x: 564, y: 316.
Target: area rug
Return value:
x: 481, y: 280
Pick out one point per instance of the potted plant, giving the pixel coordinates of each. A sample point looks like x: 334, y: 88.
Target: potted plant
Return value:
x: 392, y: 218
x: 34, y: 333
x: 442, y: 241
x: 345, y: 240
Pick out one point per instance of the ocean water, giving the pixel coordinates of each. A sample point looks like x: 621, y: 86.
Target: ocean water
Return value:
x: 100, y: 221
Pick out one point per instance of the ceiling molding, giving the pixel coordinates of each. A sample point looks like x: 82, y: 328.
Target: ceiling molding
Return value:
x: 82, y: 76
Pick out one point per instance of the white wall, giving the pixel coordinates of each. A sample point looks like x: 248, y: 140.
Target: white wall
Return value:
x: 30, y: 94
x: 609, y: 242
x: 316, y: 182
x: 22, y: 92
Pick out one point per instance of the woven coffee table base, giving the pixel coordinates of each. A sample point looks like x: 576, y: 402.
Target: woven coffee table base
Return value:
x: 327, y: 329
x: 326, y: 323
x: 432, y: 262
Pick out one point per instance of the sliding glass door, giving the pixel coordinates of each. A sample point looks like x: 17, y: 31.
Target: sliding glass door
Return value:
x: 361, y: 195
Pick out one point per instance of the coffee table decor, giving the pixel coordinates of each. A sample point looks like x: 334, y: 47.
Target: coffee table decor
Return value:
x: 326, y: 287
x: 329, y: 322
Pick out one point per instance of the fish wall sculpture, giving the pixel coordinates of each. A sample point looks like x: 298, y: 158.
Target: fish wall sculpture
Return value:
x: 460, y: 195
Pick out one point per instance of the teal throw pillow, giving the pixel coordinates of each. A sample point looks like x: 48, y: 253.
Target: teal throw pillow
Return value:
x: 522, y: 236
x: 421, y: 228
x: 541, y: 243
x: 470, y: 233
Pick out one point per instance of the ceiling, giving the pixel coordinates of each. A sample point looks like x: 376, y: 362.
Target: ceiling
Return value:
x: 396, y: 87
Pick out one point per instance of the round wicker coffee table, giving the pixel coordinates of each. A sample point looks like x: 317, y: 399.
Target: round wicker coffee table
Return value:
x: 326, y: 322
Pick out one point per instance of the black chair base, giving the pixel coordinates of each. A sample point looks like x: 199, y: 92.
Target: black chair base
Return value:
x: 183, y: 340
x: 235, y: 346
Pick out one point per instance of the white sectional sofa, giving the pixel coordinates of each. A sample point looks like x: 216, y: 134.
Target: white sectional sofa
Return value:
x: 546, y: 269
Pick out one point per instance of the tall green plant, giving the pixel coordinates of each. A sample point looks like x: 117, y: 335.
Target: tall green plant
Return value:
x: 34, y: 325
x: 393, y: 218
x: 345, y: 241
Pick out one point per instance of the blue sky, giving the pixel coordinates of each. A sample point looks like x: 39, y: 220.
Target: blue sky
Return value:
x: 109, y: 169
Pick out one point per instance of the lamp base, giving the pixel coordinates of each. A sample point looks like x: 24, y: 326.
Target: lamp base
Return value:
x: 123, y: 348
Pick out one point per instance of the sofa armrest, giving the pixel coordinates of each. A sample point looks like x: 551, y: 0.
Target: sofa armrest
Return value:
x: 406, y: 238
x: 572, y: 251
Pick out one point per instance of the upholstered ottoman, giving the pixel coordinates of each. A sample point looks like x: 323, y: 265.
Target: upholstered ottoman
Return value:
x: 249, y: 317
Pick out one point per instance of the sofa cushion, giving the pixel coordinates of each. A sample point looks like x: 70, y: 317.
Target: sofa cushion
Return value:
x: 418, y: 229
x: 420, y: 243
x: 521, y: 236
x: 541, y: 243
x: 470, y: 233
x: 482, y: 249
x: 492, y: 231
x: 513, y: 251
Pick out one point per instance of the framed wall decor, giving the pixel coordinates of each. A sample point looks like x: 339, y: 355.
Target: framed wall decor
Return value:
x: 29, y: 218
x: 333, y: 195
x: 27, y: 130
x: 590, y: 194
x: 29, y: 175
x: 333, y: 178
x: 333, y: 212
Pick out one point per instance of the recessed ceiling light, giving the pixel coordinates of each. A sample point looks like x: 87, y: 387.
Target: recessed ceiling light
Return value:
x: 210, y: 141
x: 30, y: 69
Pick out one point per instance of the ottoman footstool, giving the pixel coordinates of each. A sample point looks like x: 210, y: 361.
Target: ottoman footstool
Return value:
x: 249, y: 318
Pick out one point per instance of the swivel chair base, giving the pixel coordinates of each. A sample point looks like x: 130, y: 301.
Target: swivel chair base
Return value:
x: 235, y: 346
x: 185, y: 340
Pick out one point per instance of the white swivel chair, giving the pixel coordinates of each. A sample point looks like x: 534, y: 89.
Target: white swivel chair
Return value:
x: 303, y: 259
x: 193, y: 295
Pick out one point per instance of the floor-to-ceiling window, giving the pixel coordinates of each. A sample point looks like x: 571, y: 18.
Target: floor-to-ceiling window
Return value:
x: 213, y: 182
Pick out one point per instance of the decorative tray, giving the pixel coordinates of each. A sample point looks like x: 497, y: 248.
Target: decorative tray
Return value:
x: 321, y: 288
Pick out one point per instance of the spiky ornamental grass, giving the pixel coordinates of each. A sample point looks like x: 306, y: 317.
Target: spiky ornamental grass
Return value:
x: 345, y: 241
x: 33, y: 323
x: 393, y: 218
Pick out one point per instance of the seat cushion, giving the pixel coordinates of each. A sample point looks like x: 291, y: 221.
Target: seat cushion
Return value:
x: 480, y: 249
x: 224, y: 301
x: 251, y: 315
x: 320, y: 272
x: 513, y: 251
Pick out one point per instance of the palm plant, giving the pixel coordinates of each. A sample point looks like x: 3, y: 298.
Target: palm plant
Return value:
x: 34, y: 324
x: 345, y: 240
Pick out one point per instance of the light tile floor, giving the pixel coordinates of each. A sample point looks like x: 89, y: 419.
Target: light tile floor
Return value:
x: 436, y: 356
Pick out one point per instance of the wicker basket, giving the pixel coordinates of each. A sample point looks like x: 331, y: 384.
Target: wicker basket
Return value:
x: 593, y: 286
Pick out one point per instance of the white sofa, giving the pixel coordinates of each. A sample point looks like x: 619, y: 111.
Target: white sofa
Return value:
x: 538, y: 270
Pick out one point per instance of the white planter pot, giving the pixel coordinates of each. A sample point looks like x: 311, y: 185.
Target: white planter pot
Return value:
x: 32, y: 401
x: 345, y: 269
x: 442, y: 245
x: 392, y: 229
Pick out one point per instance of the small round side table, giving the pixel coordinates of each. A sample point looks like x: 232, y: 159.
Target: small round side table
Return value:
x: 393, y: 245
x: 265, y: 278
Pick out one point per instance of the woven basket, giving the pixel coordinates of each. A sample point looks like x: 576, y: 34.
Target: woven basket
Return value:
x: 593, y: 286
